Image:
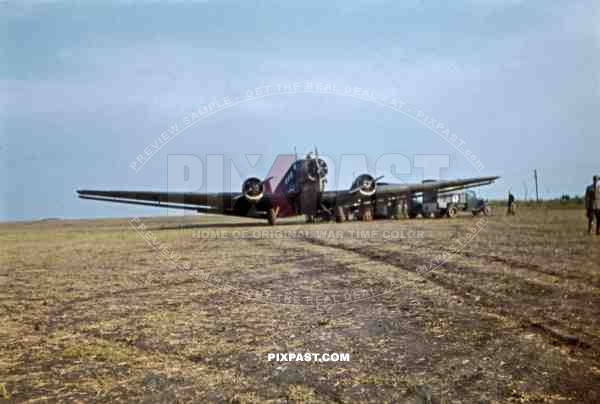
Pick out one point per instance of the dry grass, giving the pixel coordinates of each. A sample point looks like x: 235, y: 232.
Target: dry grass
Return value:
x: 91, y: 312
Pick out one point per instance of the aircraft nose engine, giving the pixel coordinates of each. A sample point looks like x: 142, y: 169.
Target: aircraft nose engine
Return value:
x: 365, y: 184
x: 253, y: 189
x: 317, y: 168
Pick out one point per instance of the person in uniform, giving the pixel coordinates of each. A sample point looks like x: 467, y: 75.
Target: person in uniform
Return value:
x: 592, y: 205
x: 511, y: 204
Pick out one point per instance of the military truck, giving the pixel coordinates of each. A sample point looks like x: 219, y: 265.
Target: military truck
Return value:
x: 449, y: 204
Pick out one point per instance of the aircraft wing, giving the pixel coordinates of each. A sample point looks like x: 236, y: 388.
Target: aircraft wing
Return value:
x: 404, y: 191
x: 223, y: 202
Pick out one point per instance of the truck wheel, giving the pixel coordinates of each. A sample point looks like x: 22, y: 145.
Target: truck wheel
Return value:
x: 451, y: 211
x: 487, y: 211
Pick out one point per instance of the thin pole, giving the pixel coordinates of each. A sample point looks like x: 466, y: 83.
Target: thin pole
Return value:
x: 537, y: 195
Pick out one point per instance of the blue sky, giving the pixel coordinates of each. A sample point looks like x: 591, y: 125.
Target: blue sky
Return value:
x: 86, y: 86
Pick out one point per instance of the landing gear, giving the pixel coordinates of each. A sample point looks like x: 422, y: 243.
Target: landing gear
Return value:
x: 340, y: 215
x: 366, y: 213
x: 326, y: 214
x: 272, y: 216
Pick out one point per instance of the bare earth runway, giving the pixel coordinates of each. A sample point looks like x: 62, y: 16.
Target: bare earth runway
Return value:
x: 91, y: 312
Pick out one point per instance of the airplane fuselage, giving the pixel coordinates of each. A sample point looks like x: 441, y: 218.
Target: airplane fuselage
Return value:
x: 298, y: 193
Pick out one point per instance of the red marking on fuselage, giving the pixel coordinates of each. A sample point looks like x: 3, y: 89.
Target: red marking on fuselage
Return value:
x: 280, y: 169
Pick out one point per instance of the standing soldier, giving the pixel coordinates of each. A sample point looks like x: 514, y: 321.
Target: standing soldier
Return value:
x: 511, y: 203
x: 592, y: 205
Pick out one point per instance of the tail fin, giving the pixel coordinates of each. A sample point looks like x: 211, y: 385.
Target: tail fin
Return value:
x: 267, y: 185
x: 281, y: 167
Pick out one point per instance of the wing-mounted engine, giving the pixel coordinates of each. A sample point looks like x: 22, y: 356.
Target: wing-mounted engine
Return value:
x: 253, y: 189
x: 365, y: 184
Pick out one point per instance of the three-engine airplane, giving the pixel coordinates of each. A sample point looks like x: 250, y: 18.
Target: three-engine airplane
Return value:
x: 301, y: 191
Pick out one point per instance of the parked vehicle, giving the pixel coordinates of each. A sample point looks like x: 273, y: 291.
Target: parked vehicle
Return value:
x: 449, y: 204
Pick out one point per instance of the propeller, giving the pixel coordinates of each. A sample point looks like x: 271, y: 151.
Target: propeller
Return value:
x: 365, y: 184
x: 319, y: 169
x: 253, y: 188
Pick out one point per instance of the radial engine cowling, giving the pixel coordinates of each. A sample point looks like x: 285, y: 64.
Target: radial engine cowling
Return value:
x: 365, y: 184
x: 253, y: 189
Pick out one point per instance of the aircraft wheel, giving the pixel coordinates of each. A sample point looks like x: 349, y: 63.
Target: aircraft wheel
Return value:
x: 272, y: 217
x: 366, y: 214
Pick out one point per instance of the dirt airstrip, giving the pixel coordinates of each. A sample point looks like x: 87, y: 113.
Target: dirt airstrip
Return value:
x: 97, y: 310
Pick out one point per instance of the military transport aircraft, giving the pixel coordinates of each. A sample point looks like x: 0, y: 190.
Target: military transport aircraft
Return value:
x: 301, y: 191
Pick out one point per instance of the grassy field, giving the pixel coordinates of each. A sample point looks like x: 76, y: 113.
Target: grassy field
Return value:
x: 93, y: 311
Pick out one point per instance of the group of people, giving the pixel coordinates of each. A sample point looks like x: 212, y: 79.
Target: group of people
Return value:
x: 592, y: 204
